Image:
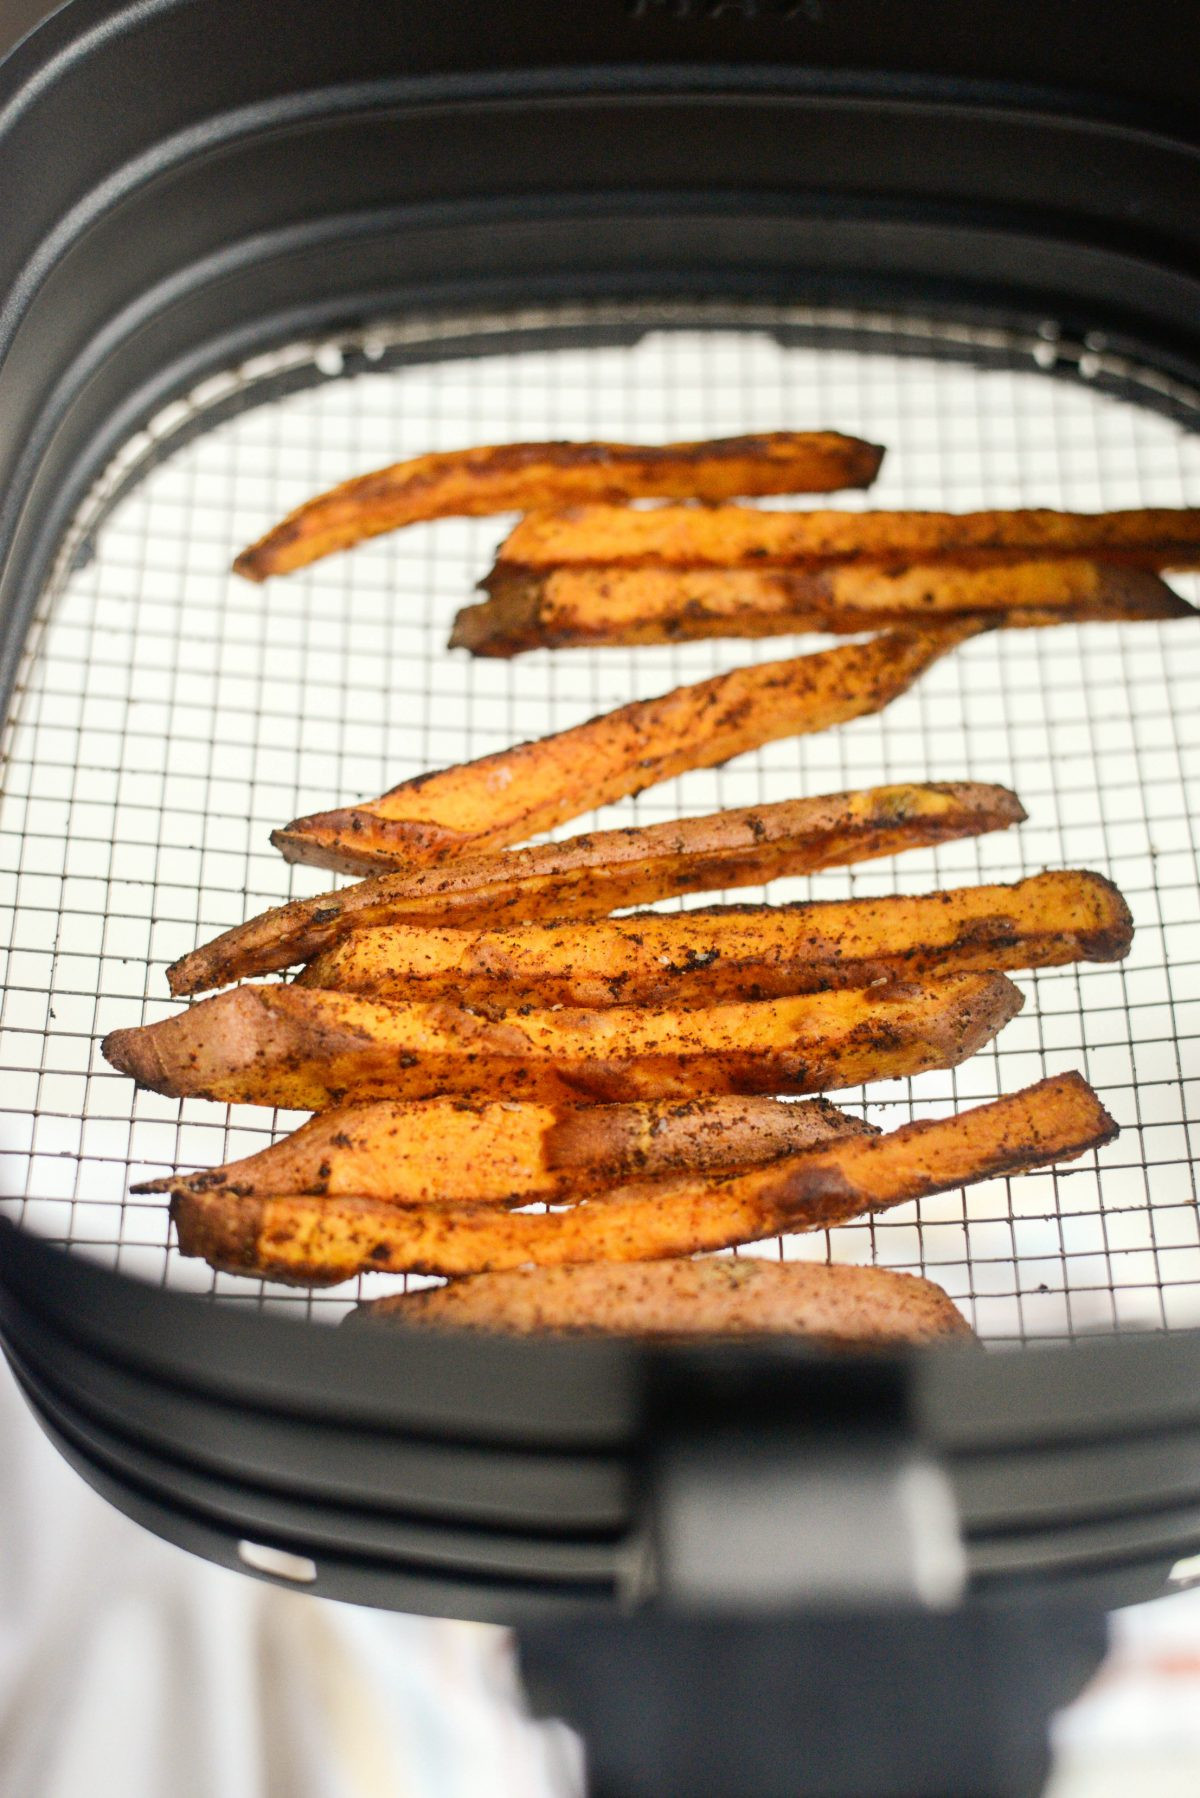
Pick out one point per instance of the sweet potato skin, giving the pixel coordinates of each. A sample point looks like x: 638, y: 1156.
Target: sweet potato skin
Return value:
x: 836, y: 1306
x: 709, y: 955
x: 306, y: 1049
x: 445, y: 1151
x: 324, y: 1241
x: 587, y: 605
x: 658, y: 1138
x: 587, y: 876
x: 516, y: 477
x: 744, y: 537
x: 515, y: 793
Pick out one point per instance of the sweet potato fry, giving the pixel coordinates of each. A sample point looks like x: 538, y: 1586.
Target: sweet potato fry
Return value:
x: 745, y: 537
x: 836, y: 1306
x: 717, y: 953
x: 655, y: 1138
x: 322, y: 1241
x: 563, y: 607
x: 515, y: 477
x: 502, y: 798
x: 306, y: 1049
x: 590, y: 875
x: 434, y: 1151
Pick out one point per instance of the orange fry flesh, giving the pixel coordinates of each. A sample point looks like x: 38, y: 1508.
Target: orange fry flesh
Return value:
x: 586, y: 605
x: 745, y: 537
x: 518, y: 477
x: 323, y: 1241
x: 305, y: 1049
x: 590, y: 875
x: 443, y: 1151
x: 516, y: 793
x: 708, y: 955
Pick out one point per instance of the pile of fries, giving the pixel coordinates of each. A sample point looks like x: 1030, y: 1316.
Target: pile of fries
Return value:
x: 558, y: 1109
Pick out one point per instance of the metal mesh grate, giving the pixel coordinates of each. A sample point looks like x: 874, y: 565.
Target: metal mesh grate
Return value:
x: 167, y: 716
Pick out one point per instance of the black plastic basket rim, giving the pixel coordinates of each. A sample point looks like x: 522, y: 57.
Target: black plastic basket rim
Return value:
x: 139, y: 259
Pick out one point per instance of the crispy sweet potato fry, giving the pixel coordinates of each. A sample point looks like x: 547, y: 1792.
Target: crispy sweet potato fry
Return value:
x: 838, y: 1306
x: 739, y: 951
x: 319, y: 1242
x: 306, y: 1049
x: 322, y: 1241
x: 745, y: 537
x: 648, y: 1140
x: 433, y: 1151
x: 515, y: 477
x: 502, y: 798
x: 562, y: 607
x: 590, y: 875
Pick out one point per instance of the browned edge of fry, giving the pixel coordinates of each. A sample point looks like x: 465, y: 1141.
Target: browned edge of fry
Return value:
x: 504, y: 798
x: 708, y: 955
x: 513, y: 477
x: 304, y: 1048
x: 520, y: 613
x: 310, y: 1241
x: 601, y: 871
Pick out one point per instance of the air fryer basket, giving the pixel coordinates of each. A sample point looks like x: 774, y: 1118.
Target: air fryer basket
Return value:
x: 538, y: 221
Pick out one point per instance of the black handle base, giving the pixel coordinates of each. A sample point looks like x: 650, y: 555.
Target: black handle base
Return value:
x: 851, y: 1704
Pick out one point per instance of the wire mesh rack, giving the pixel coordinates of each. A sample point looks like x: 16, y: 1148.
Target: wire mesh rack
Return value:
x: 167, y: 717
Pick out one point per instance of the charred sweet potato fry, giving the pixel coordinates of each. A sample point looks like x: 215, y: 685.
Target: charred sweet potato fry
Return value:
x: 745, y: 537
x: 739, y: 951
x: 561, y: 607
x: 321, y: 1241
x: 837, y: 1306
x: 502, y: 798
x: 590, y: 875
x: 433, y: 1151
x: 516, y: 477
x: 1054, y: 1120
x: 306, y: 1049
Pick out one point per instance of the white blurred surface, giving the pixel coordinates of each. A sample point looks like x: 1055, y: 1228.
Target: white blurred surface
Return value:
x: 130, y: 1670
x: 1136, y: 1730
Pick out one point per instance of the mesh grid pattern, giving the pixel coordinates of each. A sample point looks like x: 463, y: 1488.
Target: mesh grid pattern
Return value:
x: 168, y: 716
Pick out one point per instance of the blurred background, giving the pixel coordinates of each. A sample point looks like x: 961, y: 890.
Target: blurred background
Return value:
x: 130, y: 1670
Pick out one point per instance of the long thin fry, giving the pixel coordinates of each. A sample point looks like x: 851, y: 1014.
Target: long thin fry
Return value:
x: 502, y: 798
x: 836, y: 1305
x: 437, y: 1151
x: 718, y: 953
x: 306, y: 1049
x: 516, y: 477
x: 587, y: 876
x: 322, y: 1241
x: 584, y: 605
x: 742, y: 536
